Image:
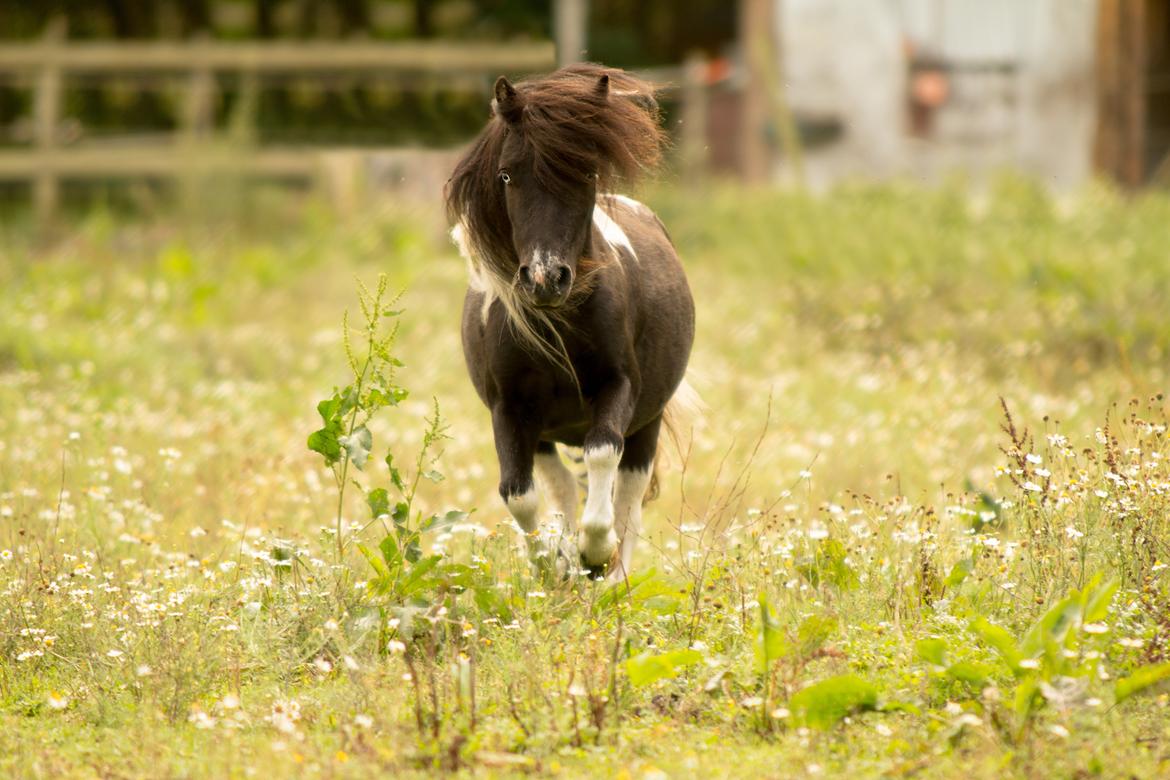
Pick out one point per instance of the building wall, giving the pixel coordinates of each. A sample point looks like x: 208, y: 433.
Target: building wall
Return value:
x: 1020, y: 78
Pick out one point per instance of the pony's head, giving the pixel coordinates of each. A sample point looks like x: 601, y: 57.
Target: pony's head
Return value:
x: 524, y: 193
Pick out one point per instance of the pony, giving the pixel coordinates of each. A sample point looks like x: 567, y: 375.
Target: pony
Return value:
x: 578, y: 321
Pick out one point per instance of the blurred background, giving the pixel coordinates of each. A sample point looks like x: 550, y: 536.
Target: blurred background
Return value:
x: 893, y: 213
x: 125, y: 99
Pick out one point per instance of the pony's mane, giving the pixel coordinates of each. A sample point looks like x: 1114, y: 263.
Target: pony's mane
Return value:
x: 572, y: 130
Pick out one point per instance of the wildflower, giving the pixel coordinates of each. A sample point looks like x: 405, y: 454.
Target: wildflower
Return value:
x: 114, y: 654
x: 58, y: 700
x: 780, y: 713
x: 1033, y: 487
x: 396, y: 646
x: 323, y: 665
x: 1034, y: 459
x: 1059, y: 730
x: 363, y: 721
x: 577, y: 689
x: 5, y: 555
x: 1095, y: 628
x: 201, y: 720
x: 143, y: 670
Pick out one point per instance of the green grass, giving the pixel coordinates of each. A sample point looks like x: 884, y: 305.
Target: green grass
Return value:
x: 812, y: 586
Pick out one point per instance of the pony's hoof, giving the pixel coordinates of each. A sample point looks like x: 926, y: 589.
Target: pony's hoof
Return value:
x: 596, y: 573
x: 597, y: 549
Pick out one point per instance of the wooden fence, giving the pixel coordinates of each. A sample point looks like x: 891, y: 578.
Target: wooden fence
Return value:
x: 44, y: 66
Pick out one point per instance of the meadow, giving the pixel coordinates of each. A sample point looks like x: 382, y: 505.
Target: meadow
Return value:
x: 923, y: 528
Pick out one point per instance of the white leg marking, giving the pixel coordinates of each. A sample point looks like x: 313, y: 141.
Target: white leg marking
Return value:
x: 559, y: 484
x: 627, y: 506
x: 597, y: 539
x: 523, y: 508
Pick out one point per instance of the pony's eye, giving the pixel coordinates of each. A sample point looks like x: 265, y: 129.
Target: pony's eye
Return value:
x: 505, y: 178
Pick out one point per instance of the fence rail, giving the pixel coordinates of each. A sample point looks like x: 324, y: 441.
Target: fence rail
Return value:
x: 44, y: 66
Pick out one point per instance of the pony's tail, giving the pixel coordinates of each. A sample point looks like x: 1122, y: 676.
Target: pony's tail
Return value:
x: 684, y: 411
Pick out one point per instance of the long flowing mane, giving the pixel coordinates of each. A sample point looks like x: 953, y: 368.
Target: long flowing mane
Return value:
x: 572, y: 131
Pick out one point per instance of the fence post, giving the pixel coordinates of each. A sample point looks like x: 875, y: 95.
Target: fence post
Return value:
x: 196, y: 125
x: 570, y: 20
x: 47, y: 115
x: 693, y: 142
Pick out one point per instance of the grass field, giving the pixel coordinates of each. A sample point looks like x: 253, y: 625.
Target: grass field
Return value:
x: 862, y: 566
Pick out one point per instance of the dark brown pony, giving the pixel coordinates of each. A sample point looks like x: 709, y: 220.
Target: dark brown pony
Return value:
x: 578, y: 321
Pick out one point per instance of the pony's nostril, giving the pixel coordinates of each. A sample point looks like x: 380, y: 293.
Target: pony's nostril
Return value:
x: 525, y: 276
x: 564, y: 276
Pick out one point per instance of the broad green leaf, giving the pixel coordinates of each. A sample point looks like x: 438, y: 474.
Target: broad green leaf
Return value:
x: 375, y: 562
x: 1140, y: 680
x: 999, y: 640
x: 771, y: 644
x: 1053, y: 626
x: 416, y: 578
x: 391, y: 552
x: 1028, y: 697
x: 621, y: 589
x: 357, y: 445
x: 1098, y: 598
x: 445, y: 521
x: 662, y: 605
x: 968, y: 672
x: 959, y: 573
x: 328, y: 409
x: 647, y: 667
x: 379, y: 502
x: 933, y: 651
x: 324, y: 442
x: 822, y: 705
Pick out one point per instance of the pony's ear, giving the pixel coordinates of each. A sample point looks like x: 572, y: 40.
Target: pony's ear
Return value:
x: 506, y: 103
x: 602, y: 88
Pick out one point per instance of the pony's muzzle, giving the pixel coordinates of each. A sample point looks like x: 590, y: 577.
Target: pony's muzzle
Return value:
x: 545, y: 285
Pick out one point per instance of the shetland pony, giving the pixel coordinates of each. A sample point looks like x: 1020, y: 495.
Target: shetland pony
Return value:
x: 578, y: 320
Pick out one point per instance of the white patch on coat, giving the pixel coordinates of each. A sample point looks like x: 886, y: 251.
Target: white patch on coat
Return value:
x: 597, y: 539
x: 612, y: 232
x: 559, y: 485
x: 627, y: 507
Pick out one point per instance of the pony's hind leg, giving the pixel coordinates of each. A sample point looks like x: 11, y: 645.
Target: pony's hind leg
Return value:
x: 633, y: 478
x: 559, y: 487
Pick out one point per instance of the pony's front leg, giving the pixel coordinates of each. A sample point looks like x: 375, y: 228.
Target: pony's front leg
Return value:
x: 515, y: 449
x: 598, y: 540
